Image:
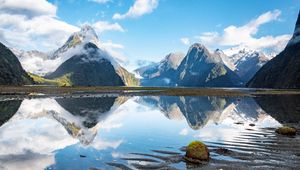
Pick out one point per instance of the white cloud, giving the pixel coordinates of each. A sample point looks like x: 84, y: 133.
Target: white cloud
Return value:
x: 28, y: 26
x: 102, y: 26
x: 184, y: 132
x: 139, y: 8
x: 30, y: 7
x: 185, y: 41
x: 100, y: 1
x: 245, y: 35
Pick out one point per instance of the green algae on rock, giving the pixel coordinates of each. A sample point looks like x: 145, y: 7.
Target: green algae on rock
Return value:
x: 285, y: 130
x: 197, y: 152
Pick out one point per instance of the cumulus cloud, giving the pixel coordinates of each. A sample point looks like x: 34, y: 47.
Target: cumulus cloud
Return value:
x: 40, y: 7
x: 29, y: 26
x: 102, y: 26
x: 245, y: 35
x: 185, y: 41
x: 139, y: 8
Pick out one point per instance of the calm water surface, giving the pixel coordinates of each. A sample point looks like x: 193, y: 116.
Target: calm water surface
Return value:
x: 97, y: 132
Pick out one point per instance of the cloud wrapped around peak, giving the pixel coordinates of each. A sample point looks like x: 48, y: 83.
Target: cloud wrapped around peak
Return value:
x: 244, y: 35
x: 139, y: 8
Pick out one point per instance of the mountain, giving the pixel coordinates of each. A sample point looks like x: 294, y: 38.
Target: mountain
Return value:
x: 282, y: 71
x: 245, y: 63
x: 86, y: 64
x: 86, y: 34
x: 200, y: 68
x: 11, y: 71
x: 162, y: 73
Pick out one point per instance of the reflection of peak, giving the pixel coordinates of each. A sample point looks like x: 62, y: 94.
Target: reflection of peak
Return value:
x: 196, y: 110
x: 80, y: 117
x: 284, y: 109
x: 75, y: 129
x: 87, y: 113
x: 202, y: 111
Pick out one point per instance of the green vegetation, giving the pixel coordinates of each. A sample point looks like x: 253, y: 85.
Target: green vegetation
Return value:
x: 75, y: 41
x: 128, y: 78
x: 197, y: 151
x: 61, y: 81
x: 73, y: 129
x: 216, y: 72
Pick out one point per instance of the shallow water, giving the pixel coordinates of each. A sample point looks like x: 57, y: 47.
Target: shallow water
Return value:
x: 102, y: 132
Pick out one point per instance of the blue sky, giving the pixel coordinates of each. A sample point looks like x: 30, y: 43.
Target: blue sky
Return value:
x: 155, y: 28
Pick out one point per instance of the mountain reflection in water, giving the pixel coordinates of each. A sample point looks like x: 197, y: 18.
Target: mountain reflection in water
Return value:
x: 52, y: 133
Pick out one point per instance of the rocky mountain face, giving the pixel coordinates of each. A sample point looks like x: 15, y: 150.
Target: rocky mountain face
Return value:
x: 88, y: 65
x: 245, y: 63
x: 162, y: 73
x: 11, y: 71
x: 200, y: 68
x: 282, y: 71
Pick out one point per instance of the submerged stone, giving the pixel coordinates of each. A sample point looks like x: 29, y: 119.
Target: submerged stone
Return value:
x: 197, y: 152
x: 285, y: 130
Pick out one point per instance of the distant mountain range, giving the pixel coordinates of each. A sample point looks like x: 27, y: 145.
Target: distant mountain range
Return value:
x: 283, y: 71
x: 82, y: 61
x: 201, y: 68
x: 163, y: 73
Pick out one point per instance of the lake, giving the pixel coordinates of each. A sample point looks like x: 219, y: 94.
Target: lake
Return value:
x: 147, y: 132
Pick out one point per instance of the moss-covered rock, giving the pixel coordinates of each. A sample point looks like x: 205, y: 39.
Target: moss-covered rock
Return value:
x: 285, y: 130
x: 196, y: 152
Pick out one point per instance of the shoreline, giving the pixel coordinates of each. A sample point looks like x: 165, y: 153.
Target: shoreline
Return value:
x: 142, y: 91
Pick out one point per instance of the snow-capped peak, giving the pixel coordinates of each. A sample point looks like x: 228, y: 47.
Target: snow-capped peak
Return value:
x: 225, y: 59
x: 87, y: 34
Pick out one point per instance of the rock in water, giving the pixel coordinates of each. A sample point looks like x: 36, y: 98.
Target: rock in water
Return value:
x: 196, y: 152
x: 285, y: 130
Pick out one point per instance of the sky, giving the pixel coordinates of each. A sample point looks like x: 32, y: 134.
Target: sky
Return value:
x: 138, y: 30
